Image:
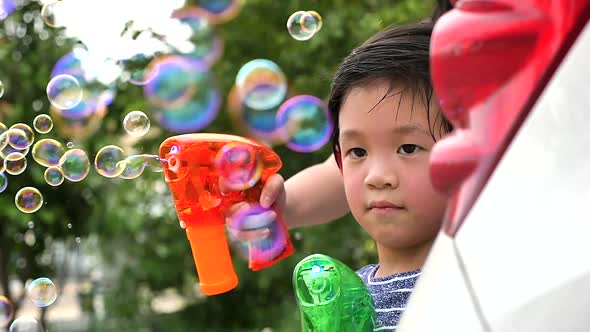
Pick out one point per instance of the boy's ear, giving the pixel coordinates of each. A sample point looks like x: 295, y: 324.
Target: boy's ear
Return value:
x: 337, y: 155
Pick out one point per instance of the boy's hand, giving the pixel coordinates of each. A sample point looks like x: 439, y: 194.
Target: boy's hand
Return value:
x: 255, y: 226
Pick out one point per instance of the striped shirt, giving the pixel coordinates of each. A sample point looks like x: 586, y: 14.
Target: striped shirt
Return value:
x: 390, y: 294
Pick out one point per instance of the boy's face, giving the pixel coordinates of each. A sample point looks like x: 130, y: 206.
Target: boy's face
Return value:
x: 385, y: 165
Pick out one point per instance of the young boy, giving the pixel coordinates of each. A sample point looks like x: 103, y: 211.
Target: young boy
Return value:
x: 386, y: 122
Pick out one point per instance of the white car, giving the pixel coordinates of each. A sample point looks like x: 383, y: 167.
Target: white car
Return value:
x: 513, y: 255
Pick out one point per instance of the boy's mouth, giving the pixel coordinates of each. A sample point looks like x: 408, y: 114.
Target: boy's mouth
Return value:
x: 384, y: 207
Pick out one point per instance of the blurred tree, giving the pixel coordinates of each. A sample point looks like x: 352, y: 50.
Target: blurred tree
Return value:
x: 131, y: 225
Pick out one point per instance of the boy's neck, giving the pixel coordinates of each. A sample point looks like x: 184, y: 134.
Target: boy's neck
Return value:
x: 398, y: 260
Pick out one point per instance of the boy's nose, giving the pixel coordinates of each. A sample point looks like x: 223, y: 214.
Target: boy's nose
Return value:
x: 381, y: 175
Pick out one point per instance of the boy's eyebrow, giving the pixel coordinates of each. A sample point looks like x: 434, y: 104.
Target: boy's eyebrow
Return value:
x: 349, y: 133
x: 409, y: 129
x: 399, y: 130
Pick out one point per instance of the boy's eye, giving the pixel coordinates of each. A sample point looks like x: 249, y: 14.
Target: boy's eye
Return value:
x: 357, y: 152
x: 409, y: 149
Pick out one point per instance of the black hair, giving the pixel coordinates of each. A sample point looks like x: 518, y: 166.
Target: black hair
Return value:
x: 397, y: 54
x: 441, y: 7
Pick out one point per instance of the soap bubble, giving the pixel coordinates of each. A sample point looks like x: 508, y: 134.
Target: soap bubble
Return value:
x: 15, y: 163
x: 184, y: 97
x: 239, y: 166
x: 305, y: 123
x: 48, y: 13
x: 26, y: 324
x: 303, y: 25
x: 64, y: 92
x: 220, y: 11
x: 175, y: 84
x: 71, y: 64
x: 75, y: 165
x: 17, y: 141
x: 3, y: 185
x: 139, y: 70
x: 54, y: 176
x: 28, y: 200
x: 206, y: 42
x: 47, y: 152
x: 258, y: 124
x: 6, y: 310
x: 136, y: 123
x: 108, y: 161
x: 262, y: 84
x: 30, y: 134
x: 9, y: 149
x: 318, y: 19
x: 43, y: 123
x: 1, y: 89
x: 17, y: 138
x: 42, y: 292
x: 136, y: 164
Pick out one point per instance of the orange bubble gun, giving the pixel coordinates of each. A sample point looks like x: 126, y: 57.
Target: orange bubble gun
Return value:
x: 207, y: 174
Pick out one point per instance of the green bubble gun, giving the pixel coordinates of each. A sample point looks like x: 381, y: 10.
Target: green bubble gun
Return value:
x: 331, y: 296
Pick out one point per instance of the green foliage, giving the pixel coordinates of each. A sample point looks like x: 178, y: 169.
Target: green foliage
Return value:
x: 132, y: 223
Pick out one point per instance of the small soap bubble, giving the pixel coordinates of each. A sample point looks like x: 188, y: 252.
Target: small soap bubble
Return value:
x: 30, y: 134
x: 239, y: 166
x: 6, y: 311
x: 261, y: 84
x: 69, y: 225
x: 64, y: 92
x: 134, y: 166
x: 28, y: 200
x: 9, y: 149
x: 74, y: 165
x: 1, y: 89
x: 15, y: 163
x: 3, y: 137
x: 70, y: 145
x: 26, y: 324
x: 42, y: 292
x: 303, y: 25
x: 48, y: 13
x: 30, y: 224
x: 77, y: 239
x: 108, y: 161
x: 54, y: 176
x: 136, y: 123
x: 154, y: 163
x: 304, y: 123
x: 17, y: 138
x: 3, y: 182
x: 318, y: 19
x: 47, y: 152
x: 43, y: 123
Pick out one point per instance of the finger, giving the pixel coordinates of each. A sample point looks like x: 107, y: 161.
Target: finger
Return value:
x: 257, y: 221
x: 271, y: 190
x: 246, y: 236
x: 239, y: 208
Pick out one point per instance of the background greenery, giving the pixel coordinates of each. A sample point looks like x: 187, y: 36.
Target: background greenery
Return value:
x: 128, y: 230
